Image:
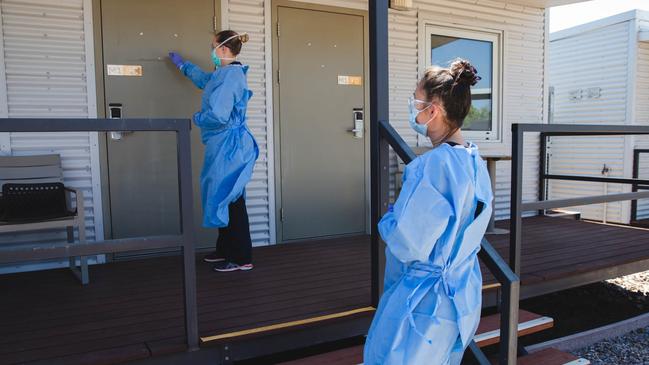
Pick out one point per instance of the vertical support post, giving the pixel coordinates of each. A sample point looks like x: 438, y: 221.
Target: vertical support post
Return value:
x: 187, y: 226
x: 509, y: 323
x: 543, y: 160
x: 516, y: 202
x: 634, y: 187
x: 379, y: 77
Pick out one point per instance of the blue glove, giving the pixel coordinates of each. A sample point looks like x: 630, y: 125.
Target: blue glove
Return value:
x: 177, y: 60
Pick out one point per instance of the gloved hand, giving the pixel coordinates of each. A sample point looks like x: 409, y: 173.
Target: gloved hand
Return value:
x: 176, y: 59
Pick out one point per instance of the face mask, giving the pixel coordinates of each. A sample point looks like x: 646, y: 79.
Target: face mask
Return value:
x: 215, y: 58
x: 414, y: 112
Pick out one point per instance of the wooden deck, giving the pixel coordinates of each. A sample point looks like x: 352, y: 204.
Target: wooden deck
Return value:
x: 558, y: 253
x: 133, y: 310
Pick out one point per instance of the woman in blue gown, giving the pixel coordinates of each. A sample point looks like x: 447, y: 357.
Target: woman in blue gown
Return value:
x: 230, y: 149
x: 431, y: 303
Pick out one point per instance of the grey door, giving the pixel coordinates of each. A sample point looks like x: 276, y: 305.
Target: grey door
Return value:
x: 142, y: 167
x: 321, y: 92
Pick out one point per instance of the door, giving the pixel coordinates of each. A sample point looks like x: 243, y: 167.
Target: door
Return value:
x: 321, y: 98
x: 142, y: 171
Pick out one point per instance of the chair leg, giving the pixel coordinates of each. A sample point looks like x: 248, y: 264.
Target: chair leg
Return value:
x: 80, y: 272
x: 85, y: 278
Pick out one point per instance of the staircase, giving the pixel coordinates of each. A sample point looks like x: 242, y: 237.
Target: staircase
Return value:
x: 488, y: 334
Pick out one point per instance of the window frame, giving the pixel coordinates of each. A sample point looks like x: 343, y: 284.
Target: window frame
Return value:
x: 495, y: 37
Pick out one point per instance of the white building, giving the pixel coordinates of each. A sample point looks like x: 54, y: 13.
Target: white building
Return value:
x: 54, y: 57
x: 599, y: 74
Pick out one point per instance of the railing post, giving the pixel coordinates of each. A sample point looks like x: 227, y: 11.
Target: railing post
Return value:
x: 187, y: 225
x: 515, y: 216
x: 634, y: 187
x: 509, y: 323
x: 379, y: 76
x: 543, y: 167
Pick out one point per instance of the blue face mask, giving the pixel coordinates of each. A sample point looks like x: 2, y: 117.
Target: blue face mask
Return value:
x: 215, y: 58
x: 414, y: 112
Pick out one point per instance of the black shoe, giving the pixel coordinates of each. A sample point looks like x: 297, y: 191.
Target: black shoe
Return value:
x: 213, y: 257
x: 231, y: 266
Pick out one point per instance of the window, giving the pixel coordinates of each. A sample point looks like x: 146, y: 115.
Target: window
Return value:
x: 482, y: 49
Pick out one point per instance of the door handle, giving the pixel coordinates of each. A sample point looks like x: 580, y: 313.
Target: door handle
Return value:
x: 115, y: 112
x: 359, y: 125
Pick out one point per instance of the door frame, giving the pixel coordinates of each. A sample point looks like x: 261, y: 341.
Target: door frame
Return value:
x: 276, y: 4
x: 100, y: 87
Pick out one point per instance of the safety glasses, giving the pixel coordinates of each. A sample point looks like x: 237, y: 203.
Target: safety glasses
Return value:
x: 419, y: 105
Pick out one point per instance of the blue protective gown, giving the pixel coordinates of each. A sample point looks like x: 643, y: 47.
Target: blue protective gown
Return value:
x: 230, y: 148
x: 432, y: 298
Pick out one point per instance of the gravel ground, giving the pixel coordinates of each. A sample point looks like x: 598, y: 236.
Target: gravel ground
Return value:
x: 588, y: 307
x: 631, y: 348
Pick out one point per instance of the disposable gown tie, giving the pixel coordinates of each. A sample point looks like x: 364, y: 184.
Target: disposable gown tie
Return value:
x: 434, y: 278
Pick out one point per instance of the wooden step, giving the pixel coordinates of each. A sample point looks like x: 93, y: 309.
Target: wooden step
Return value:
x: 551, y: 357
x: 488, y: 332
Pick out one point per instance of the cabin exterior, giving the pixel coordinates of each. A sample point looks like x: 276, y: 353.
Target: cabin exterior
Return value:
x: 73, y: 81
x: 598, y: 76
x: 89, y: 80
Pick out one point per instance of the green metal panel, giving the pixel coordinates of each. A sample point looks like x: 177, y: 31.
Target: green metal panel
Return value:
x: 320, y: 61
x: 142, y: 167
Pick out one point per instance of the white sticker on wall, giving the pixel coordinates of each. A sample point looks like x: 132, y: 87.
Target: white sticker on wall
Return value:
x: 350, y: 80
x: 124, y: 70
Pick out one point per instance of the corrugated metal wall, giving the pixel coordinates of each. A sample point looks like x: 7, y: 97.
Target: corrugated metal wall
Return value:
x: 248, y: 16
x: 524, y: 31
x: 45, y: 57
x: 589, y: 75
x: 642, y: 116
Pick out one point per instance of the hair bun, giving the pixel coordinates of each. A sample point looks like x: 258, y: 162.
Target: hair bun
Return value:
x: 244, y: 37
x: 463, y: 72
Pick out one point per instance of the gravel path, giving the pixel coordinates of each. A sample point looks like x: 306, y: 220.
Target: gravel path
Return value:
x: 631, y: 348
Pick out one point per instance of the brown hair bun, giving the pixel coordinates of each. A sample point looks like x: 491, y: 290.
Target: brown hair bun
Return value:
x: 463, y: 72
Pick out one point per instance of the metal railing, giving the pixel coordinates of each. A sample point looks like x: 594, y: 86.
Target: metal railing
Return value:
x: 509, y: 281
x: 186, y: 239
x: 518, y: 207
x: 635, y: 187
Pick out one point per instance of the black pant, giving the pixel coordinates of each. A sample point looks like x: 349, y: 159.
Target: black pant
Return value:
x: 234, y: 241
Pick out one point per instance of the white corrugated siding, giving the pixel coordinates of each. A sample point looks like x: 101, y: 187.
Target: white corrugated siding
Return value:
x: 45, y: 63
x: 594, y: 60
x: 248, y: 16
x: 523, y: 80
x: 642, y: 116
x: 403, y: 59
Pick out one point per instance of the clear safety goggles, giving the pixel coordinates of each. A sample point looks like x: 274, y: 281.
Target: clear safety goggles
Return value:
x: 418, y: 105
